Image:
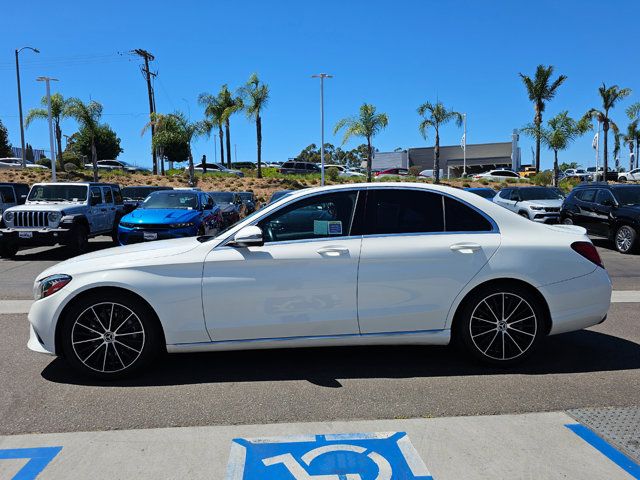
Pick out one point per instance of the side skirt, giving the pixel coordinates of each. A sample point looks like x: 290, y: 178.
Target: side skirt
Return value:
x: 423, y: 337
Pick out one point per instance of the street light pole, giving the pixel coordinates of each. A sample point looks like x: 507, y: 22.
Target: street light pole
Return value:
x: 464, y: 146
x: 47, y: 80
x: 215, y: 148
x: 322, y: 76
x: 18, y: 50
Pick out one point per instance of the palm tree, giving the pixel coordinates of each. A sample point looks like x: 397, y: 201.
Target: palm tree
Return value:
x: 58, y: 106
x: 176, y: 127
x: 541, y: 91
x: 214, y: 111
x: 630, y: 138
x: 610, y: 96
x: 434, y: 116
x: 255, y: 97
x: 367, y: 124
x: 88, y: 116
x: 633, y: 112
x: 558, y: 135
x: 230, y: 105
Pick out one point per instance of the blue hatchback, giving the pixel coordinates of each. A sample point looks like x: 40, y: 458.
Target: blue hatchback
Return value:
x: 171, y: 214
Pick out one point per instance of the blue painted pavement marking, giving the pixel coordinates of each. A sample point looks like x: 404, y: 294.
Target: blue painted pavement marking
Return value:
x: 359, y: 456
x: 604, y: 447
x: 39, y: 458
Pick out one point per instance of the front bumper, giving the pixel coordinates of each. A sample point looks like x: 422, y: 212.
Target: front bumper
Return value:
x: 127, y: 236
x: 545, y: 217
x: 35, y: 236
x: 579, y: 302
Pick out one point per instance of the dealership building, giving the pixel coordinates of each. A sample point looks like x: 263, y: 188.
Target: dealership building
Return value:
x: 480, y: 157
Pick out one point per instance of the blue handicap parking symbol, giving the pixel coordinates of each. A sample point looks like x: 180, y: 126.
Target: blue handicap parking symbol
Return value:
x: 39, y: 458
x: 360, y: 456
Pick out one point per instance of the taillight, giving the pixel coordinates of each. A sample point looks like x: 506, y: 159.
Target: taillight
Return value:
x: 588, y: 251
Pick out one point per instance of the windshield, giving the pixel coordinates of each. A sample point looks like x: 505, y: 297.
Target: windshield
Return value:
x: 184, y: 200
x: 278, y: 195
x: 58, y: 193
x: 628, y: 195
x: 138, y: 193
x: 539, y: 194
x: 246, y: 196
x: 222, y: 197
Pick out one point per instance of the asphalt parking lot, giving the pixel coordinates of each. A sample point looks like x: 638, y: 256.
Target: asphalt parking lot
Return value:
x: 591, y: 368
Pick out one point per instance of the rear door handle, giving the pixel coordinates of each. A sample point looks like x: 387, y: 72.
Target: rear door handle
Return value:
x: 465, y: 247
x: 333, y: 251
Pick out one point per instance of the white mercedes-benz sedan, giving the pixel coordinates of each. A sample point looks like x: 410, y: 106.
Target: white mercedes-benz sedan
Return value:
x: 357, y: 264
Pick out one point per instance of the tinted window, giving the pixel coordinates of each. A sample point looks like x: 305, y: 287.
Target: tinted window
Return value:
x: 183, y: 200
x: 462, y: 218
x: 604, y: 195
x: 288, y: 165
x: 506, y: 193
x: 58, y: 193
x: 628, y: 195
x: 222, y: 197
x: 403, y: 211
x: 6, y: 195
x: 321, y: 216
x: 586, y: 195
x: 117, y: 195
x: 96, y: 196
x: 108, y: 196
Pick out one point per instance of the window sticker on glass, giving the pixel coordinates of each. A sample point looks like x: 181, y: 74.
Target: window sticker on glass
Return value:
x: 327, y: 227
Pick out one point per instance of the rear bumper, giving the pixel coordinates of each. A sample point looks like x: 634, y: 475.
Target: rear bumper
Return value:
x: 578, y: 303
x: 35, y: 237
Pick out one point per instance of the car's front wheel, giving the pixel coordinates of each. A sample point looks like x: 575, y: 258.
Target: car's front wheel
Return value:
x: 501, y: 324
x: 110, y: 336
x: 625, y: 239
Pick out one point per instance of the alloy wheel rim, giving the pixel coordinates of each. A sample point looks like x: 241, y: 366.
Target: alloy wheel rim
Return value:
x: 623, y: 239
x: 108, y: 337
x: 503, y: 326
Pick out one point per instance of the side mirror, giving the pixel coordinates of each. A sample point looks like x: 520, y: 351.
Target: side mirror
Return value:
x: 250, y: 236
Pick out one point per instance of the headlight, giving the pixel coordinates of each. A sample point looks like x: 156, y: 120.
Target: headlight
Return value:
x: 54, y: 217
x: 535, y: 207
x: 8, y: 216
x: 182, y: 225
x: 127, y: 225
x: 50, y: 285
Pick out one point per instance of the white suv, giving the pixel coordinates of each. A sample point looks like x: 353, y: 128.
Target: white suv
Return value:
x: 540, y: 204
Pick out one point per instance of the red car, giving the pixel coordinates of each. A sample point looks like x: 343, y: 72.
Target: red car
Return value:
x: 393, y: 172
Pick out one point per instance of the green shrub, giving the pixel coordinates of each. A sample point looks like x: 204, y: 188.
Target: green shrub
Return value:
x: 44, y: 161
x: 466, y: 185
x: 70, y: 167
x: 72, y: 157
x: 484, y: 182
x: 414, y: 170
x: 511, y: 180
x: 542, y: 179
x: 568, y: 183
x: 332, y: 173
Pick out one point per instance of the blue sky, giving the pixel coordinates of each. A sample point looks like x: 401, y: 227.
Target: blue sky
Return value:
x: 395, y: 55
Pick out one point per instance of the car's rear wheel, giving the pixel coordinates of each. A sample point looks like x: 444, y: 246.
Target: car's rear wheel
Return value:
x: 625, y: 239
x: 110, y: 335
x: 567, y: 221
x: 501, y: 325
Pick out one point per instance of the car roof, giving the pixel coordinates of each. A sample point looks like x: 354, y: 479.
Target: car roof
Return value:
x: 12, y: 184
x: 89, y: 184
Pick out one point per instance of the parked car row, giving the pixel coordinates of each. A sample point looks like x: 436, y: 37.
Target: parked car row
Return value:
x: 71, y: 213
x: 13, y: 162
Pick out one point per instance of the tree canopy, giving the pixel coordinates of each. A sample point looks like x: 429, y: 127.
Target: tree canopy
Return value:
x: 106, y: 141
x: 5, y: 147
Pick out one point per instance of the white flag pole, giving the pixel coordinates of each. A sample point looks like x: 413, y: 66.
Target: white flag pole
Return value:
x: 464, y: 146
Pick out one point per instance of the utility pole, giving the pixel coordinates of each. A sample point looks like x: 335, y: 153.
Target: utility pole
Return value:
x: 147, y: 57
x: 322, y: 76
x: 18, y: 50
x: 47, y: 80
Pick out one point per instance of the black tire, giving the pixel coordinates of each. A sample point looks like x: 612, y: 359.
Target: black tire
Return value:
x: 524, y: 214
x: 567, y: 221
x: 108, y: 352
x: 8, y: 250
x: 626, y: 239
x: 201, y: 231
x: 114, y: 232
x: 483, y: 323
x: 622, y: 179
x: 79, y: 240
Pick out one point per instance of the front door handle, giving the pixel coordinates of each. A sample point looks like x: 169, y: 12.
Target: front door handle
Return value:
x: 465, y: 247
x: 333, y: 251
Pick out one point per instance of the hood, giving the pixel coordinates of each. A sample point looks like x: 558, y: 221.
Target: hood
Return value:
x: 129, y: 256
x: 160, y: 215
x: 544, y: 203
x: 48, y: 207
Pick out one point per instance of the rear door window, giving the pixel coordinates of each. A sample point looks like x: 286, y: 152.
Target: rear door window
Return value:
x: 462, y: 218
x: 586, y: 195
x: 108, y: 196
x: 393, y: 211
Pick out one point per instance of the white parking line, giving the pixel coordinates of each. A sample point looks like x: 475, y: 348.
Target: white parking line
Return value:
x: 12, y: 307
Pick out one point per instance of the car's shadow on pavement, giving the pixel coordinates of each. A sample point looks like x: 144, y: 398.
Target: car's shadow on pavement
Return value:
x: 58, y: 253
x: 577, y: 352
